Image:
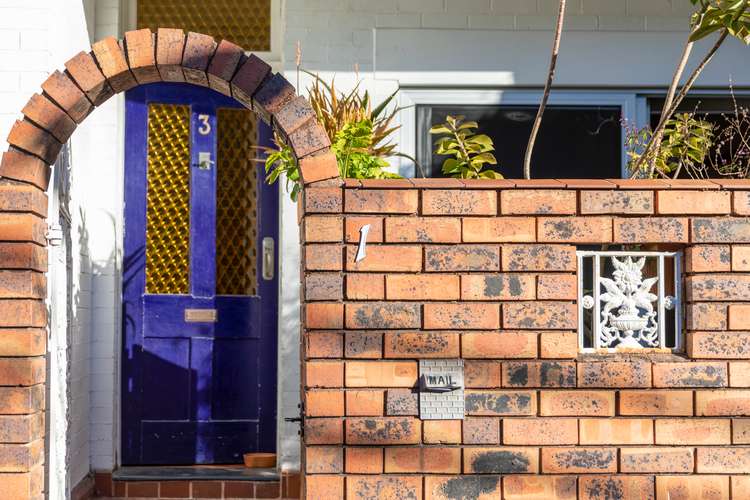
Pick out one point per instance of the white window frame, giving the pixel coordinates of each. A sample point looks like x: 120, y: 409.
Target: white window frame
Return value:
x: 634, y: 109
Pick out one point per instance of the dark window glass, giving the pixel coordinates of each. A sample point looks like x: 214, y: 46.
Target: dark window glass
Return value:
x: 573, y: 142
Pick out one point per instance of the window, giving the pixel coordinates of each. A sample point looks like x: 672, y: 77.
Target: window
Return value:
x: 629, y: 300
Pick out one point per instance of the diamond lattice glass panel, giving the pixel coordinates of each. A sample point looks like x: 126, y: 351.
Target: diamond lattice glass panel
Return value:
x: 168, y: 200
x: 244, y: 22
x: 236, y: 209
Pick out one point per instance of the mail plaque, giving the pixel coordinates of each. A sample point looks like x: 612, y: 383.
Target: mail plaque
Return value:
x: 200, y: 316
x: 441, y: 389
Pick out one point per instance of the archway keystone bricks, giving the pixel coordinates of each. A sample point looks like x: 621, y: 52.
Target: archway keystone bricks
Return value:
x: 50, y: 117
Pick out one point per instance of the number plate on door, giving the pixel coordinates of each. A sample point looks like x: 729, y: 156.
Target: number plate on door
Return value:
x: 200, y: 316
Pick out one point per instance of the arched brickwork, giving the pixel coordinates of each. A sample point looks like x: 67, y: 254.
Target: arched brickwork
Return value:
x: 50, y: 117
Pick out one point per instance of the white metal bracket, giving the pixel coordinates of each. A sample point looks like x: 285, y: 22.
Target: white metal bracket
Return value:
x: 363, y: 231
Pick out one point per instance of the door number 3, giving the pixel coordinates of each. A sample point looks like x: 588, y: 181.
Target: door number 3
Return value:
x: 205, y: 127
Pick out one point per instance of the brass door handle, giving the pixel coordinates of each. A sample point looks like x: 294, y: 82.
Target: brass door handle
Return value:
x: 268, y: 266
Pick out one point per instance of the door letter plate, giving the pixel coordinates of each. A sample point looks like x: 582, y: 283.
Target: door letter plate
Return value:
x: 441, y: 389
x: 201, y: 316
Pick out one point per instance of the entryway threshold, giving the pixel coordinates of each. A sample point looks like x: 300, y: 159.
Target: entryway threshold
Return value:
x: 194, y: 473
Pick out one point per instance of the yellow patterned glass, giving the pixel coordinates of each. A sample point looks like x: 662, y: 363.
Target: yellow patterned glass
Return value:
x: 244, y: 22
x: 168, y: 200
x: 236, y: 208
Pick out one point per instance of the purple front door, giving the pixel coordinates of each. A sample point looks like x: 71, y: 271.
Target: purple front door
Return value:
x: 199, y: 293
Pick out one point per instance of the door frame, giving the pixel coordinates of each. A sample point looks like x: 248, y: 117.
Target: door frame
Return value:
x: 133, y: 283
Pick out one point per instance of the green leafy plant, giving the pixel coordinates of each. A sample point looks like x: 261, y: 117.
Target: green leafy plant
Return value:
x: 471, y: 152
x: 280, y: 161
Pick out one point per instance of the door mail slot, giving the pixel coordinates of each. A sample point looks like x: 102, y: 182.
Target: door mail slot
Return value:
x: 201, y: 316
x: 441, y: 389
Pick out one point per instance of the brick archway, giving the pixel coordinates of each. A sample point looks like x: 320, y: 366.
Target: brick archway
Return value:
x: 50, y: 118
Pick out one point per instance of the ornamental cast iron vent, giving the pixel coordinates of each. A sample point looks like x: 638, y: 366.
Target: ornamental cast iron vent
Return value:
x: 629, y: 300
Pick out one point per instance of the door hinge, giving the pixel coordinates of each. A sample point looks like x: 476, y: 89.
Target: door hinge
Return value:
x: 54, y: 235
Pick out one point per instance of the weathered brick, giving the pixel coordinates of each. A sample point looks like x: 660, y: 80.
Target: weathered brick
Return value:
x: 557, y: 287
x: 324, y: 460
x: 323, y: 316
x: 575, y: 229
x: 614, y: 374
x: 722, y: 402
x: 733, y: 460
x: 422, y: 287
x: 324, y: 486
x: 47, y: 115
x: 363, y: 344
x: 617, y: 431
x: 319, y: 166
x: 693, y: 202
x: 21, y: 428
x: 365, y: 403
x: 459, y: 202
x: 22, y: 313
x: 24, y: 484
x: 324, y: 431
x: 383, y: 487
x: 720, y: 230
x: 441, y: 432
x: 365, y: 286
x: 21, y: 166
x: 498, y: 287
x: 539, y: 488
x: 711, y: 287
x: 687, y: 431
x: 651, y: 230
x: 23, y: 341
x: 394, y: 258
x: 656, y: 460
x: 452, y: 487
x: 706, y: 316
x: 461, y: 316
x: 27, y: 136
x: 422, y: 229
x: 324, y: 374
x: 558, y: 345
x: 711, y: 374
x: 692, y: 487
x: 481, y: 430
x: 309, y: 139
x: 579, y: 460
x: 324, y: 345
x: 223, y: 65
x: 323, y: 199
x: 293, y: 115
x: 741, y: 431
x: 739, y: 316
x: 22, y: 227
x: 740, y: 487
x: 274, y: 93
x: 170, y: 43
x: 322, y: 228
x: 498, y: 229
x: 381, y: 373
x: 195, y: 58
x: 457, y: 258
x: 540, y: 315
x: 383, y: 431
x: 323, y: 257
x: 481, y: 374
x: 324, y: 286
x: 707, y: 258
x: 383, y: 315
x: 741, y: 202
x: 354, y: 225
x: 113, y: 64
x: 21, y: 457
x: 380, y: 201
x: 577, y: 403
x: 495, y: 403
x: 721, y: 345
x: 141, y: 54
x: 67, y: 95
x: 248, y: 78
x: 432, y: 460
x: 539, y: 258
x: 504, y: 460
x: 503, y: 344
x: 23, y: 198
x: 595, y: 202
x: 537, y: 202
x: 324, y: 403
x: 539, y: 374
x: 364, y: 460
x: 616, y: 487
x: 540, y: 431
x: 658, y: 403
x: 421, y: 345
x: 739, y: 374
x: 401, y: 402
x: 21, y: 400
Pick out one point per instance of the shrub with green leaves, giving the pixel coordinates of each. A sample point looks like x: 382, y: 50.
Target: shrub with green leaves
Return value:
x: 471, y: 152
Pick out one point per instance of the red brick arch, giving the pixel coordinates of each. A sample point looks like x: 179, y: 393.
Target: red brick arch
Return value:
x: 49, y: 119
x: 169, y: 55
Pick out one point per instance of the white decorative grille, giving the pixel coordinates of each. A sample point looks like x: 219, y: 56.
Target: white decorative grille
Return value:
x: 629, y: 300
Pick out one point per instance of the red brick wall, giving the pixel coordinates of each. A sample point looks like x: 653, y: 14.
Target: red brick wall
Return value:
x: 543, y: 421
